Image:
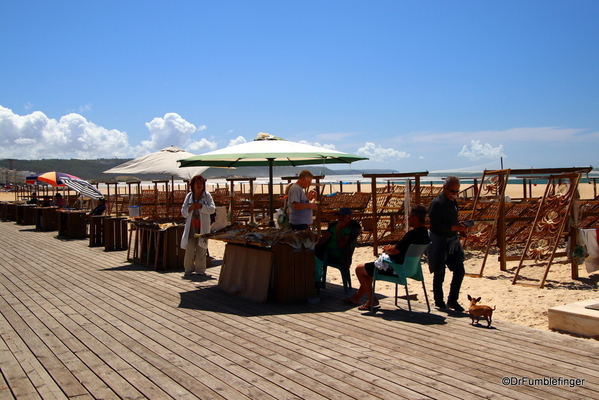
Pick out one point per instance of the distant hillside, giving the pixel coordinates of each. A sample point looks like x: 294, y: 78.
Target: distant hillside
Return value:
x: 92, y: 169
x: 84, y: 169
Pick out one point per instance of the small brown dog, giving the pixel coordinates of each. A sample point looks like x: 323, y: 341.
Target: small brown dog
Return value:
x: 480, y: 311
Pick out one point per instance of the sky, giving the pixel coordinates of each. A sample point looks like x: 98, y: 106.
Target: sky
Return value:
x: 412, y: 85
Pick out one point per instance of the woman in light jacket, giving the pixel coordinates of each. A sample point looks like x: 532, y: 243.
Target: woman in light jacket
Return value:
x: 196, y: 209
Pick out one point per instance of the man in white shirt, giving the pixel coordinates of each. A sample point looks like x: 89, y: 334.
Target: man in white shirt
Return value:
x: 300, y: 205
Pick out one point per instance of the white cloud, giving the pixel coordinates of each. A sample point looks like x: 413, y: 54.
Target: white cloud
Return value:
x: 378, y: 153
x: 324, y: 146
x: 35, y: 136
x: 478, y: 151
x: 201, y: 146
x: 172, y: 130
x: 237, y: 140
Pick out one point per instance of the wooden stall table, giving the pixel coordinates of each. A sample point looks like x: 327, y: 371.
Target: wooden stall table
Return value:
x: 3, y: 210
x: 141, y: 236
x: 10, y: 212
x: 46, y: 218
x: 26, y: 214
x: 72, y: 224
x: 115, y: 233
x: 29, y: 215
x: 156, y: 245
x: 173, y: 253
x: 279, y: 272
x: 96, y: 230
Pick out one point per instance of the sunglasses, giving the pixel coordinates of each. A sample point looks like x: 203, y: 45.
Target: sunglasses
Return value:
x: 454, y: 191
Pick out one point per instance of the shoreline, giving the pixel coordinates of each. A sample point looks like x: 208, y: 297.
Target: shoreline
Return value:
x: 587, y: 191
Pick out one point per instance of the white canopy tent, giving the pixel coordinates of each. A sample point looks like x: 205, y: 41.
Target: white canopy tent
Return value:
x: 161, y: 162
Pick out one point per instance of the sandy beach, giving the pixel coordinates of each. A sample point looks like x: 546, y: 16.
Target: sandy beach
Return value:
x: 515, y: 303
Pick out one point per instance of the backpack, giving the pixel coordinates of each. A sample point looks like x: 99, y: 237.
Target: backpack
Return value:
x: 283, y: 218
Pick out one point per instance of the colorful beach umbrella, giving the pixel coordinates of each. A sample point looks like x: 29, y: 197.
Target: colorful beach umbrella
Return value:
x: 83, y: 187
x: 269, y: 150
x: 31, y: 179
x: 54, y: 178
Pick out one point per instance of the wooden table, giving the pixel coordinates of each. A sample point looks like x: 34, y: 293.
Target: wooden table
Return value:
x: 9, y: 212
x: 72, y: 224
x: 26, y: 214
x: 46, y: 218
x: 259, y: 273
x: 161, y: 248
x: 115, y: 233
x: 96, y: 230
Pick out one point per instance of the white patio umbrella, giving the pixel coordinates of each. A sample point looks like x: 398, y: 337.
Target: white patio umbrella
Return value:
x: 161, y: 162
x: 268, y: 150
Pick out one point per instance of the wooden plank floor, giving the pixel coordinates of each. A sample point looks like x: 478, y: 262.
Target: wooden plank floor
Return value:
x: 79, y: 322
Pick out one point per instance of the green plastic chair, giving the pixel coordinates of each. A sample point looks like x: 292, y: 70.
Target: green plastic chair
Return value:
x: 343, y: 267
x: 411, y: 268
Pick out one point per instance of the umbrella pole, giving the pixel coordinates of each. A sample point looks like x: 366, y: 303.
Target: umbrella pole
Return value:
x: 270, y: 193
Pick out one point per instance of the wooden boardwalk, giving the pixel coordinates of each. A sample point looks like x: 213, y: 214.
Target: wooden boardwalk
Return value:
x: 79, y: 322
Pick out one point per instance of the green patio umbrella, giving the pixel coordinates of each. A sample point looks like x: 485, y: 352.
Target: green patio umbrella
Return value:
x: 268, y: 150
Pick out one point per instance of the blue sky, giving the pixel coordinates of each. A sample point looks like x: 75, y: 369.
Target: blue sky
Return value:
x: 414, y: 85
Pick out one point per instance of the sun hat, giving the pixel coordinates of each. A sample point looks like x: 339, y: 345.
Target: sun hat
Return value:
x: 343, y: 211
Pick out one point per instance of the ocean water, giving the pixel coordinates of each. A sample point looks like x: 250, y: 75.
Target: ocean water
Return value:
x: 332, y: 182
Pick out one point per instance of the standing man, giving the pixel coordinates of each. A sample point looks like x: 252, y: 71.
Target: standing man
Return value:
x: 300, y: 207
x: 445, y: 248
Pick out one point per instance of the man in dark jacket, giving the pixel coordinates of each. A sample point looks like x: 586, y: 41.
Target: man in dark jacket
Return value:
x: 445, y: 248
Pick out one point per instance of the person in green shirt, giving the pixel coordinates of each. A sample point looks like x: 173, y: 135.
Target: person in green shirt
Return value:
x: 337, y: 238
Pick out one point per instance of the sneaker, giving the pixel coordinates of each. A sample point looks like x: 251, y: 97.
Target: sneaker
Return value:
x: 455, y: 305
x: 440, y: 305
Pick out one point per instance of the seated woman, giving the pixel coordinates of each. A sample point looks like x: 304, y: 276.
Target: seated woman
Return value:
x: 59, y: 201
x: 397, y: 253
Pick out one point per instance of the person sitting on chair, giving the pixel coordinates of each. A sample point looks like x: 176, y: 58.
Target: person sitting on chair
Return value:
x: 59, y: 201
x: 339, y: 234
x: 397, y: 253
x: 33, y: 199
x: 100, y: 208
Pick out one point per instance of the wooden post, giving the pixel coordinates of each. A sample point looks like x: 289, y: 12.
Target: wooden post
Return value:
x: 417, y: 189
x: 573, y: 264
x: 375, y: 242
x: 501, y: 231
